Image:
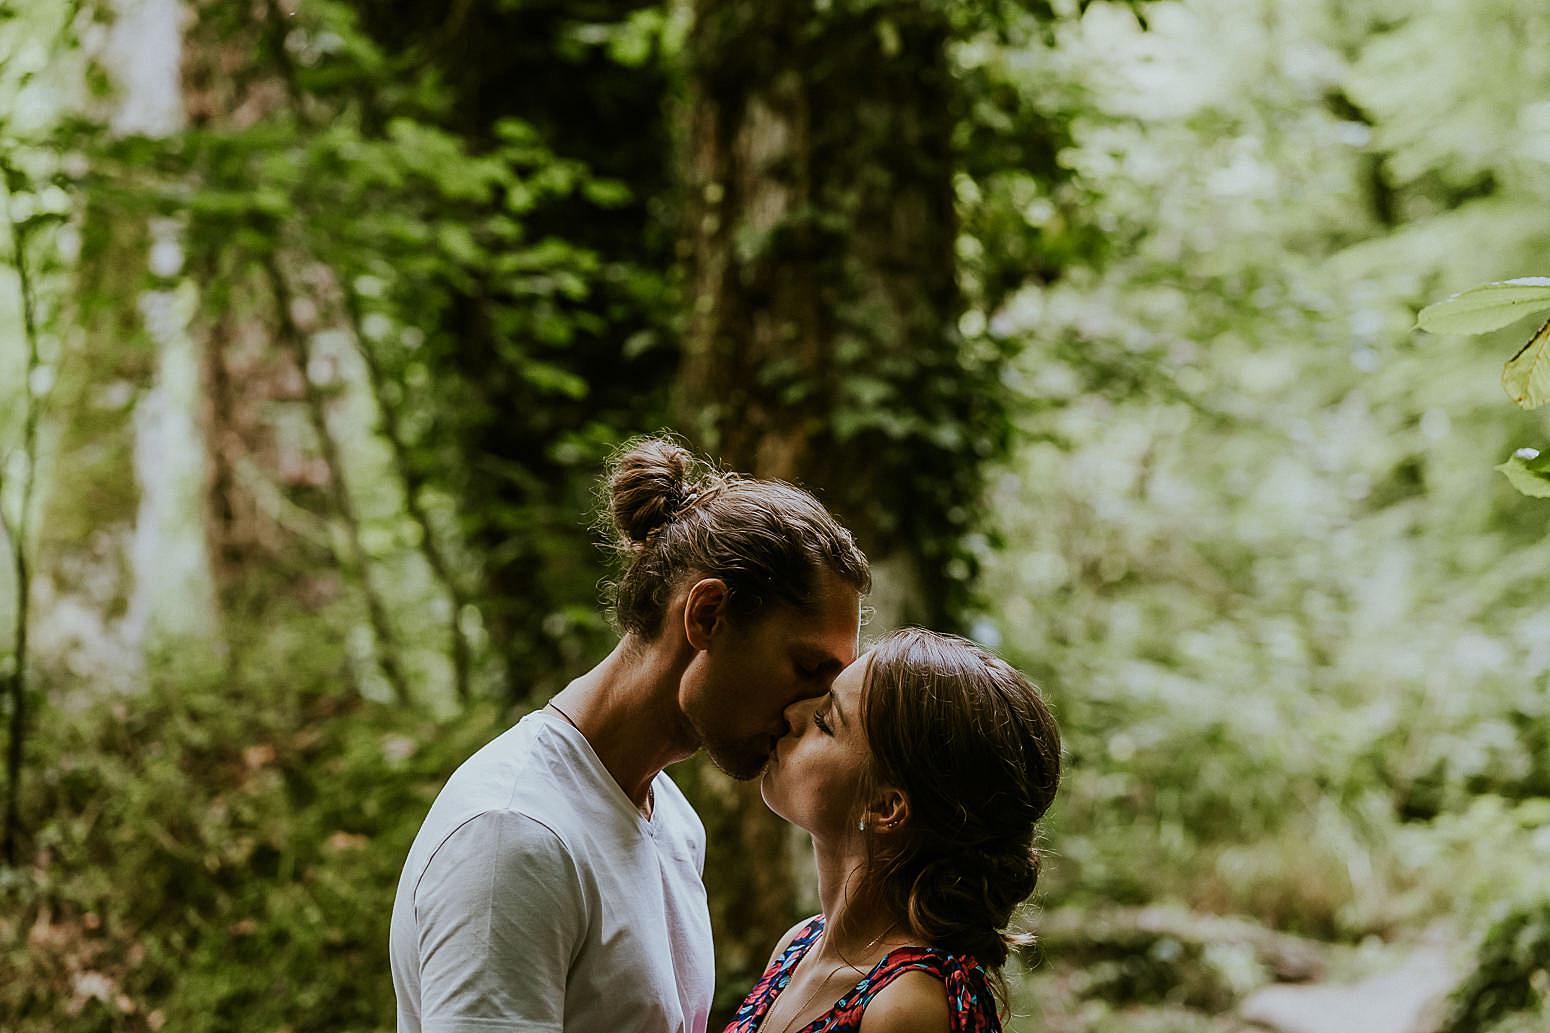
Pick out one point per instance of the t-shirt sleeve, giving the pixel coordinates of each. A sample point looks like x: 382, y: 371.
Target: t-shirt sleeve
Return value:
x: 500, y: 918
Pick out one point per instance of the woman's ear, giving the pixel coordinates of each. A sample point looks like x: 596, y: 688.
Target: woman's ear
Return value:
x: 704, y: 611
x: 889, y: 810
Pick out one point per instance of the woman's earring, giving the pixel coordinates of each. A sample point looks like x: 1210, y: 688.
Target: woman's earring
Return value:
x: 861, y: 826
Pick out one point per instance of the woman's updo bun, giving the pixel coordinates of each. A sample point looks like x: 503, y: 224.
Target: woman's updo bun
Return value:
x: 965, y: 899
x: 670, y: 514
x: 976, y: 750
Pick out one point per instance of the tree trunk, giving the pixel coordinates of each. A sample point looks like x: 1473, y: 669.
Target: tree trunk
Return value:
x: 19, y: 541
x: 822, y: 343
x: 820, y: 230
x: 173, y: 601
x: 350, y: 554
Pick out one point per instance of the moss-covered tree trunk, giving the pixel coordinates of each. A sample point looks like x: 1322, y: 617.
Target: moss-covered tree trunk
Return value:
x: 820, y: 229
x: 822, y: 343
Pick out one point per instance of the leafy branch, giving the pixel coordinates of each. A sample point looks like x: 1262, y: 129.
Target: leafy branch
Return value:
x: 1526, y: 376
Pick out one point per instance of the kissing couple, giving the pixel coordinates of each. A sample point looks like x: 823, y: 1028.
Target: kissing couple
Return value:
x: 556, y: 884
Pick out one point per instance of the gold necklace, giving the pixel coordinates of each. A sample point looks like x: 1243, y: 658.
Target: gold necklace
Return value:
x: 825, y: 980
x: 651, y: 790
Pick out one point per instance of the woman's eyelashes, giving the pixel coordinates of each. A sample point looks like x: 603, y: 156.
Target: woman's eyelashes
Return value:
x: 822, y: 722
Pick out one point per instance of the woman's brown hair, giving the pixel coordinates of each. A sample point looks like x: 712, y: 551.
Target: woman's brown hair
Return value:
x: 670, y: 514
x: 973, y: 745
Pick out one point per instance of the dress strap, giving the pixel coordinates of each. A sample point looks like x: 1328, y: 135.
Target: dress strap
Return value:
x: 799, y: 945
x: 774, y: 980
x: 971, y: 1004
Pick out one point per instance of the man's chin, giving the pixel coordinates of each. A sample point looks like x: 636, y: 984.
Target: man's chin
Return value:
x: 743, y: 761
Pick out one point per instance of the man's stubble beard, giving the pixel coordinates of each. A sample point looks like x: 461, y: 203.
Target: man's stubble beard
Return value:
x: 743, y: 760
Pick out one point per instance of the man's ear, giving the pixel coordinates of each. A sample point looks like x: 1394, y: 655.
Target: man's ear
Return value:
x: 889, y: 810
x: 705, y: 611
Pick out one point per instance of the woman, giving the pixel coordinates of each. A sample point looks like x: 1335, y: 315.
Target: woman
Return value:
x: 921, y: 776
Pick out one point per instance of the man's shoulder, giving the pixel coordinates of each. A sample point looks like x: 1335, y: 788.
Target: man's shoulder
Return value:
x: 507, y: 786
x: 506, y: 839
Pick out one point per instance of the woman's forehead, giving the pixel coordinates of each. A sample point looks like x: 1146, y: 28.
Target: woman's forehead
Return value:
x: 852, y: 680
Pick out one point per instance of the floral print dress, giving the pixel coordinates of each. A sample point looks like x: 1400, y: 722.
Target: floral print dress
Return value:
x: 971, y: 1006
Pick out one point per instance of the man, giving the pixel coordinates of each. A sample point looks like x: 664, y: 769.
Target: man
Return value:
x: 556, y: 883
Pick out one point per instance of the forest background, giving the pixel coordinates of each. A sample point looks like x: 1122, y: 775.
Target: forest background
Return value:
x: 1095, y: 321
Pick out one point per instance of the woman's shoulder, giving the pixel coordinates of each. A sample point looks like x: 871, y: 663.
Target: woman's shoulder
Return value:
x: 928, y: 990
x: 912, y: 1002
x: 811, y: 925
x: 807, y: 927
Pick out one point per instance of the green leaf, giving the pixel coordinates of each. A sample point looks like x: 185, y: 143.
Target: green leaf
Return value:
x: 606, y: 193
x: 1488, y: 307
x: 552, y: 379
x: 1529, y: 472
x: 1526, y: 377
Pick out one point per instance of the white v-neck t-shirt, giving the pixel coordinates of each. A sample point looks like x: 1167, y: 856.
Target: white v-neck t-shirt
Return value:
x: 537, y: 899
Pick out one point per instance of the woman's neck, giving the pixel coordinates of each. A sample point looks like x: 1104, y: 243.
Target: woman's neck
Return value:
x: 627, y: 707
x: 857, y: 925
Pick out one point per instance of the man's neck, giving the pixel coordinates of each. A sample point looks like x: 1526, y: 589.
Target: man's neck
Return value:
x: 627, y: 707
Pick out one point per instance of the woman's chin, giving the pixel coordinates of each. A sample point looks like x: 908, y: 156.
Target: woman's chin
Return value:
x: 764, y: 788
x: 770, y: 793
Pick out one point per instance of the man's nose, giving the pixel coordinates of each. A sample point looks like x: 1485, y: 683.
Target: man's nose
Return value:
x: 800, y: 712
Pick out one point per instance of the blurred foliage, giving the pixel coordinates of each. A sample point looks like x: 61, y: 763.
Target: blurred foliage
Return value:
x: 1290, y: 619
x: 1510, y: 986
x: 214, y: 864
x: 507, y: 294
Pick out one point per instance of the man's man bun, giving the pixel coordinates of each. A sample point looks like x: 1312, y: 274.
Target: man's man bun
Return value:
x: 671, y: 515
x: 648, y: 483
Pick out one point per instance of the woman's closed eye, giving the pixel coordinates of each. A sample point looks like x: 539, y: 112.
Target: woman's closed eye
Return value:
x: 822, y: 722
